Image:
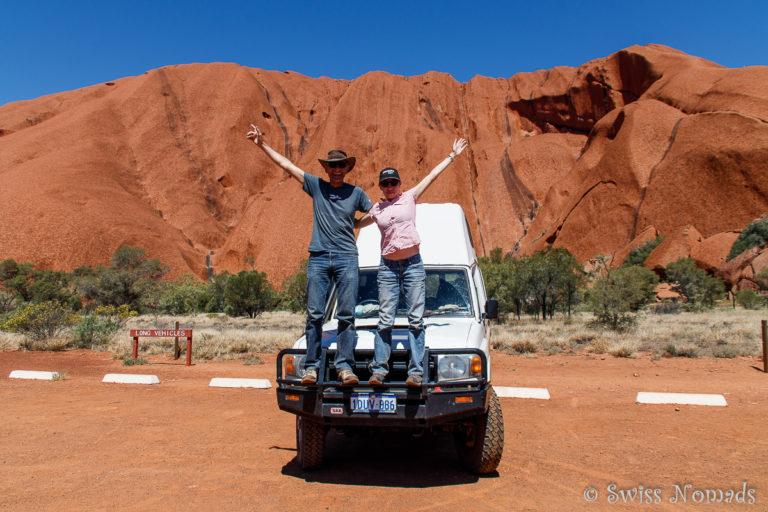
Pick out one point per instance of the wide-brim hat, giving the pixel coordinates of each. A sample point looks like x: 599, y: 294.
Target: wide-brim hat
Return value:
x: 337, y: 155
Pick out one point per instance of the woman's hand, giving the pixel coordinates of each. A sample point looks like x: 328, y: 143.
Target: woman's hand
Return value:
x: 257, y: 136
x: 459, y: 145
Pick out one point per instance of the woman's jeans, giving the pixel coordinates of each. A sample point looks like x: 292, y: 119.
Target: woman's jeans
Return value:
x: 323, y: 269
x: 409, y: 274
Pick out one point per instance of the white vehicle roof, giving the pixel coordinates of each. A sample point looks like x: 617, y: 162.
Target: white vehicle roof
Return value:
x: 444, y: 233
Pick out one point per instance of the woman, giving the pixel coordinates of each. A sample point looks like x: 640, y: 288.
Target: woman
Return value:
x: 401, y: 265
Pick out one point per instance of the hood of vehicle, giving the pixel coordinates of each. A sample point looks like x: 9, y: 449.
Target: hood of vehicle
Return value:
x: 442, y: 332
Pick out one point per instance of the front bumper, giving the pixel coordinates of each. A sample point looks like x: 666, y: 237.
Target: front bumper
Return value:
x: 432, y: 404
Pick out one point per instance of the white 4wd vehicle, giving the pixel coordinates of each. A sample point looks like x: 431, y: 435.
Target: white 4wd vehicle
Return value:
x: 456, y: 394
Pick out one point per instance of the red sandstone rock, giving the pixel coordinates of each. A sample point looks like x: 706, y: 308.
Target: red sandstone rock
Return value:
x: 590, y: 158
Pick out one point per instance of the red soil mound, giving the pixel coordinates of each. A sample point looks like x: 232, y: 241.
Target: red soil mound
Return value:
x: 596, y: 159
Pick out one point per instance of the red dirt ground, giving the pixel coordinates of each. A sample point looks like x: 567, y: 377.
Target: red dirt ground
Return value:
x: 80, y: 444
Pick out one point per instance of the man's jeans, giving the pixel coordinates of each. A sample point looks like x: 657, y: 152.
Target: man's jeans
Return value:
x: 392, y: 274
x: 323, y: 269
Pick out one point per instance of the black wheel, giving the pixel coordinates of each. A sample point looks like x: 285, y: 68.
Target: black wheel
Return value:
x: 481, y: 442
x: 310, y: 443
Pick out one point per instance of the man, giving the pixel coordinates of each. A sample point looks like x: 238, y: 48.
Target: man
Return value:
x: 332, y: 254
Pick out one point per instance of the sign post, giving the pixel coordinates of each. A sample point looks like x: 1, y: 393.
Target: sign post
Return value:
x: 162, y: 333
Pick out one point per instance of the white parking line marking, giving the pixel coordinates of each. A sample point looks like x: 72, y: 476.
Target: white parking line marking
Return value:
x: 223, y: 382
x: 30, y: 374
x: 129, y: 378
x: 508, y: 392
x: 680, y: 398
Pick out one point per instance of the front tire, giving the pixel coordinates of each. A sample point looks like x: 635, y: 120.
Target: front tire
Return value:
x: 310, y: 443
x: 480, y: 443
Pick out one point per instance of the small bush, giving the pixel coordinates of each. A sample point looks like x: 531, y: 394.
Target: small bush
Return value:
x: 600, y: 345
x: 240, y: 347
x: 667, y: 308
x: 40, y: 321
x: 691, y: 351
x: 748, y: 299
x: 130, y: 361
x: 623, y: 350
x: 725, y: 352
x: 253, y: 361
x: 524, y: 347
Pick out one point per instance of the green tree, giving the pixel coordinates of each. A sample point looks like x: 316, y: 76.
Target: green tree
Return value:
x: 248, y: 293
x: 551, y: 273
x: 506, y: 280
x: 618, y: 293
x: 754, y: 235
x: 693, y: 283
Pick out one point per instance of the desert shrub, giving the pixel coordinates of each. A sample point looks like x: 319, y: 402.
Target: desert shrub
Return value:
x: 748, y: 299
x: 40, y: 320
x: 600, y: 345
x: 214, y: 294
x: 293, y: 292
x: 7, y: 302
x: 131, y: 279
x: 619, y: 293
x: 638, y: 255
x: 128, y: 360
x: 754, y: 235
x: 725, y: 352
x: 524, y: 347
x: 248, y: 293
x: 92, y: 330
x: 623, y: 350
x: 691, y: 351
x: 667, y: 308
x: 693, y: 283
x: 183, y: 296
x: 96, y: 328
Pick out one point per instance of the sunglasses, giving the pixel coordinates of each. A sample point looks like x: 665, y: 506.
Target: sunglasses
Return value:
x: 337, y: 165
x: 389, y: 183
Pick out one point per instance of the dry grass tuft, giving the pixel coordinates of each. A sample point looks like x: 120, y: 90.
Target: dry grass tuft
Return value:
x: 723, y: 332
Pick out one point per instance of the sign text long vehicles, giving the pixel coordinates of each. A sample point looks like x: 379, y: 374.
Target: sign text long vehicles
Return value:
x: 161, y: 333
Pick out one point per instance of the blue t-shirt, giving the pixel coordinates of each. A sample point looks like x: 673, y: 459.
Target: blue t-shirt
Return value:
x: 334, y: 214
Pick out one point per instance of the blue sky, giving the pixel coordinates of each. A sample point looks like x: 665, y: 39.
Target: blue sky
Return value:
x: 51, y: 46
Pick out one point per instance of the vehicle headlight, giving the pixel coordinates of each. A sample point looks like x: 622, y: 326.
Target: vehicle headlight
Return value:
x: 293, y: 365
x: 457, y: 367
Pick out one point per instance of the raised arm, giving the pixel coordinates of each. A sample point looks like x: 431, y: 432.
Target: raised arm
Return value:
x: 458, y: 146
x: 257, y: 136
x: 363, y: 221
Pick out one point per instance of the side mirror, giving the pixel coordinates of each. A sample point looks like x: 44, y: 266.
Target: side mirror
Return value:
x: 491, y: 309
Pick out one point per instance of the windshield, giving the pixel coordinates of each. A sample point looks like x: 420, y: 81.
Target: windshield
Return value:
x: 447, y: 293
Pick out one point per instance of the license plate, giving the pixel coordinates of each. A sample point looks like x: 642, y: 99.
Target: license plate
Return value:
x: 384, y: 403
